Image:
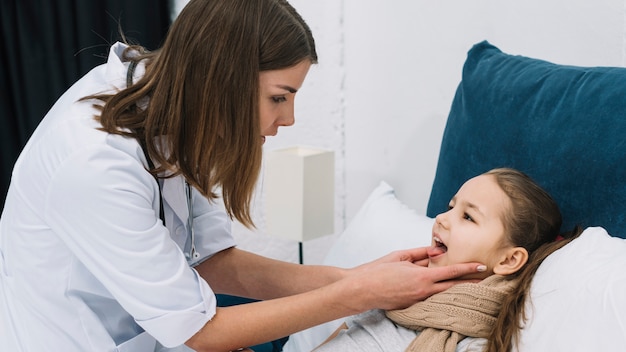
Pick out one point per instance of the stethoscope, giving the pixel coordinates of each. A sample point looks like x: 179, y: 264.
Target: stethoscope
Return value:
x: 189, y: 249
x: 190, y: 243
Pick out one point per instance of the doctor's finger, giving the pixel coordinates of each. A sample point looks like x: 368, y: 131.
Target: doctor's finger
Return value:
x: 413, y: 255
x: 423, y: 262
x: 455, y: 271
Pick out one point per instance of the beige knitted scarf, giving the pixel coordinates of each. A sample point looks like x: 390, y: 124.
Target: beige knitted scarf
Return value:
x: 468, y: 309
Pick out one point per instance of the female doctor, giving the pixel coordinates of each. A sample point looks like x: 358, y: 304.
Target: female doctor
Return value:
x: 115, y: 234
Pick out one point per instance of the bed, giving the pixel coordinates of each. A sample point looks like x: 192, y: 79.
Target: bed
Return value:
x: 565, y: 126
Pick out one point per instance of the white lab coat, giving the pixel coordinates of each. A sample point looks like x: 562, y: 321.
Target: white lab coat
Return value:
x: 85, y: 262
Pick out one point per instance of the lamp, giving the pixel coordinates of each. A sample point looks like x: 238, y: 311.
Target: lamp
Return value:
x: 299, y: 193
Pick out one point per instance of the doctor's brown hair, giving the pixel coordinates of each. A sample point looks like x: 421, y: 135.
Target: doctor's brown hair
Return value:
x: 201, y: 87
x: 533, y: 222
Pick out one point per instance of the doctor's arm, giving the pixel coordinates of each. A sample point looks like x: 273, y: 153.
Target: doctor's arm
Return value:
x: 310, y: 295
x: 238, y: 272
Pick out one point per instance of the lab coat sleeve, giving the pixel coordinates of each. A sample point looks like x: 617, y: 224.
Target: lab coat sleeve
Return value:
x: 104, y: 205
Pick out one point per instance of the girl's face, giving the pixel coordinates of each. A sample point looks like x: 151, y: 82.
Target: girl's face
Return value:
x: 278, y: 90
x: 472, y: 230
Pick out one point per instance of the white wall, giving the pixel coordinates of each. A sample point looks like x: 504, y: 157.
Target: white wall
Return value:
x: 404, y: 60
x: 387, y: 75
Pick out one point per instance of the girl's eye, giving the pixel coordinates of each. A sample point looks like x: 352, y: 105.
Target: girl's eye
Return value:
x: 466, y: 216
x: 279, y: 99
x: 450, y: 207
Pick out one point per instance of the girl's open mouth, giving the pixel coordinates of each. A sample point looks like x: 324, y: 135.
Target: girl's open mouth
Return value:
x: 439, y: 244
x: 438, y: 249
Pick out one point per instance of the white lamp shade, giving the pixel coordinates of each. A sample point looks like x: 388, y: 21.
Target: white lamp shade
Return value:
x: 299, y: 191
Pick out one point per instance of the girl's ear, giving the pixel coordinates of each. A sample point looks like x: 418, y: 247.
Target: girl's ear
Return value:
x: 513, y: 259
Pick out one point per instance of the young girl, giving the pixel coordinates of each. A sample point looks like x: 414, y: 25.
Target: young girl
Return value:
x: 500, y: 218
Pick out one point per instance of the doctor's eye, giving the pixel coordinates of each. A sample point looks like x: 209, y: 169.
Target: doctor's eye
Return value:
x: 279, y: 99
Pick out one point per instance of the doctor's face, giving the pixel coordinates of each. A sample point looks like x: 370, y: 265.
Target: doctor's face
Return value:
x: 278, y: 90
x: 472, y: 230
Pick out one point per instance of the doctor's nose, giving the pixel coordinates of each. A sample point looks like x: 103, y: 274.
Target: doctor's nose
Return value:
x: 287, y: 115
x: 287, y: 119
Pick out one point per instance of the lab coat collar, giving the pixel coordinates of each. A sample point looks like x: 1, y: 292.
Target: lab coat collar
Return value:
x: 116, y: 69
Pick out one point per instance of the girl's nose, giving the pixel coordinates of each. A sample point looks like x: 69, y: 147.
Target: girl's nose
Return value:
x: 442, y: 220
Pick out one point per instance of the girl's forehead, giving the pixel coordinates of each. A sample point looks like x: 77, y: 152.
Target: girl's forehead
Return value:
x: 485, y: 194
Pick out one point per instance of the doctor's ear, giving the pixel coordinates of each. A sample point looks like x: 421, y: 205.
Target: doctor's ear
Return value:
x: 512, y: 260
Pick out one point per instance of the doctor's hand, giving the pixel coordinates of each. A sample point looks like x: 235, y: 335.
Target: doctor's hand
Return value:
x: 401, y: 278
x: 414, y: 255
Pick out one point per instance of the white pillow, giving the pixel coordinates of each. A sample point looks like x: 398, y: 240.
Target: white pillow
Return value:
x: 578, y: 297
x: 382, y: 224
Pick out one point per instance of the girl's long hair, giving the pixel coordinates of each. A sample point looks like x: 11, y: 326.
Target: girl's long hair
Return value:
x: 534, y: 223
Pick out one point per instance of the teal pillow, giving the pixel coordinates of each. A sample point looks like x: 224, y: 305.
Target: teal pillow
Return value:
x: 565, y: 126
